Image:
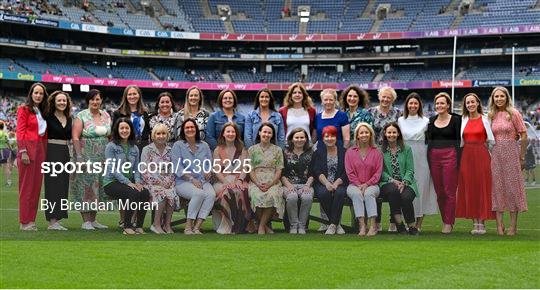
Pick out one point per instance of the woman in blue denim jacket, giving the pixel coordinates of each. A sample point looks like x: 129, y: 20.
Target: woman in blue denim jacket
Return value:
x: 125, y: 185
x: 264, y: 111
x: 227, y: 101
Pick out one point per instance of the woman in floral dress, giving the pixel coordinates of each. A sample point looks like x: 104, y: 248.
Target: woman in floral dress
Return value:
x: 91, y: 129
x: 160, y: 182
x: 234, y: 214
x: 507, y: 160
x: 265, y: 189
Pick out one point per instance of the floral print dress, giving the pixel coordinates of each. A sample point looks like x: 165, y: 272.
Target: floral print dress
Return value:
x: 160, y: 184
x: 88, y: 187
x: 265, y: 163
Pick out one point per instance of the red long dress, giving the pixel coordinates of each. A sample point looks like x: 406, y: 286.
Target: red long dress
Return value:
x: 474, y: 181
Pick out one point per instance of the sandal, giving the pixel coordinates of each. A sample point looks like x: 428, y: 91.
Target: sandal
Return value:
x: 129, y: 231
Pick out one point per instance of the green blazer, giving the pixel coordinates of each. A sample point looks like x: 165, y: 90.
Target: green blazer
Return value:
x: 406, y: 168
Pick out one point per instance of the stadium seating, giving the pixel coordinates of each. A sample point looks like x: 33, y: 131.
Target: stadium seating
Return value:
x: 264, y: 16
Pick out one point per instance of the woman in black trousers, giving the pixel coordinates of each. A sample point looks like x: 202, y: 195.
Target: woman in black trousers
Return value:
x: 328, y: 165
x: 58, y: 118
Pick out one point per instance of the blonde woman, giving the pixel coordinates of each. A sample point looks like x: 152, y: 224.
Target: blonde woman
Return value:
x: 331, y: 116
x: 160, y: 183
x: 193, y: 108
x: 508, y: 157
x: 364, y: 165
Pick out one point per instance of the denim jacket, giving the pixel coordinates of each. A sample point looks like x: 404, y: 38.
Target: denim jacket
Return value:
x: 216, y: 122
x: 253, y: 123
x: 194, y: 167
x: 116, y: 154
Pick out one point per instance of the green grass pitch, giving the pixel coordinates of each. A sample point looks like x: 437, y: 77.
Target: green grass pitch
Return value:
x: 107, y: 259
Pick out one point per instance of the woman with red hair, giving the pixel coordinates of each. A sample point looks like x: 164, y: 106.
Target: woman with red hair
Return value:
x: 331, y: 178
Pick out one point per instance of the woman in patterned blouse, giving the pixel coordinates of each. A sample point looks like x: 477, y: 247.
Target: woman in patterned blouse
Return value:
x: 164, y: 113
x: 383, y: 114
x: 193, y: 108
x: 297, y: 180
x: 354, y: 101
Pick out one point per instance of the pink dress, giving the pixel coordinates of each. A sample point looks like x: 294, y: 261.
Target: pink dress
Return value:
x: 508, y: 186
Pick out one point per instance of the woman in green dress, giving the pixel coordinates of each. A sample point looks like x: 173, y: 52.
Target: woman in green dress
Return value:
x: 265, y: 190
x: 90, y: 132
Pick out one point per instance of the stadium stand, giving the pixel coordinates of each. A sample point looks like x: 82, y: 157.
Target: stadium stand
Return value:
x: 265, y: 16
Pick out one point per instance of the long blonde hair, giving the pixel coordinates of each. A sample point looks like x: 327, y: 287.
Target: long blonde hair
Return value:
x: 371, y: 133
x: 509, y: 107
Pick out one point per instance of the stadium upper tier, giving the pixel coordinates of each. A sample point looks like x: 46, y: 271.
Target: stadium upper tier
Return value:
x: 278, y: 75
x: 281, y: 16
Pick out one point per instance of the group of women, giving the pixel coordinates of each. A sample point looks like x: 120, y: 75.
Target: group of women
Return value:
x: 264, y: 164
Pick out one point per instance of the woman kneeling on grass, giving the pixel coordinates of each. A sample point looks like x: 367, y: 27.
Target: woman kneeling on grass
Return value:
x: 126, y: 185
x: 265, y: 189
x: 397, y: 184
x: 364, y: 163
x: 192, y: 182
x: 160, y: 182
x: 297, y: 180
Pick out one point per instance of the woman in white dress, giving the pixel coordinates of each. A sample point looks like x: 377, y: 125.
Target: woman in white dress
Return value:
x: 413, y: 126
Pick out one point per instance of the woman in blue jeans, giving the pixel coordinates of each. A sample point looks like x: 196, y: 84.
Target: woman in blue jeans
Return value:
x: 126, y: 184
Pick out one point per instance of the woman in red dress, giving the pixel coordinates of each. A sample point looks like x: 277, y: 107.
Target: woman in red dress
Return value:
x: 474, y: 181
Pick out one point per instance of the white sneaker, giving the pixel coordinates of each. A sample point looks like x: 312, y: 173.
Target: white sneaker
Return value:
x: 57, y: 226
x: 301, y: 231
x: 340, y: 230
x: 331, y: 230
x: 28, y: 227
x: 87, y: 226
x: 322, y: 228
x: 293, y: 230
x: 533, y: 183
x: 392, y: 228
x: 97, y: 225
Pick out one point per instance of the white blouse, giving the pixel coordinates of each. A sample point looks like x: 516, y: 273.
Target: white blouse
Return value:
x: 42, y: 124
x: 297, y: 118
x: 413, y: 128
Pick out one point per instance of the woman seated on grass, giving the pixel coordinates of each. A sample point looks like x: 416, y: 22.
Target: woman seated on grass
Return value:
x: 398, y: 185
x: 234, y: 214
x: 192, y: 182
x: 126, y: 184
x: 265, y: 189
x: 297, y: 180
x: 331, y: 178
x: 160, y: 182
x: 364, y: 164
